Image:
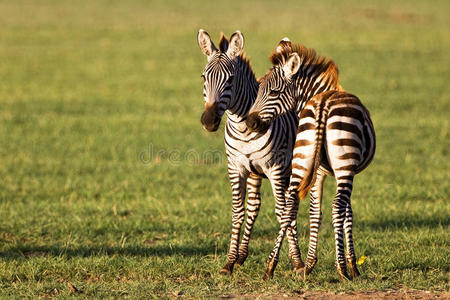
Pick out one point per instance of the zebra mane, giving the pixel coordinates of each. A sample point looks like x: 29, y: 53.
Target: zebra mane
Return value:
x: 223, y: 43
x: 245, y: 62
x: 310, y: 60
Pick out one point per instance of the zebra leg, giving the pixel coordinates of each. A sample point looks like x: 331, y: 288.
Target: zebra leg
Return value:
x: 348, y: 224
x: 279, y: 188
x: 302, y: 160
x: 315, y: 219
x: 290, y: 209
x: 253, y: 205
x: 238, y: 214
x: 272, y: 261
x: 339, y: 218
x: 294, y: 250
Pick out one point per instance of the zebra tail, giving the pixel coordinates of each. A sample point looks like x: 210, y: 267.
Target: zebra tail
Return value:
x: 308, y: 181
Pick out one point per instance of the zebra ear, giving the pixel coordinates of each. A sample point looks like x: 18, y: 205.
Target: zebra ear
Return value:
x: 205, y: 43
x: 236, y: 44
x: 285, y: 43
x: 292, y: 65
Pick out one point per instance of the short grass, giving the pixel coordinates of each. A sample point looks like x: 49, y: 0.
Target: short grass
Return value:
x: 106, y: 181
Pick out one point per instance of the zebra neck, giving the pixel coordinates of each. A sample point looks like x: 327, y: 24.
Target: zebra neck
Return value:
x: 309, y: 87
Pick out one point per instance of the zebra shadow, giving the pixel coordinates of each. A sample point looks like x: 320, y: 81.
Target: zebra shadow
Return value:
x: 28, y: 251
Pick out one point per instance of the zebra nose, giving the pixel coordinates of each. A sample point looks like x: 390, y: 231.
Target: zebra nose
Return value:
x: 209, y: 119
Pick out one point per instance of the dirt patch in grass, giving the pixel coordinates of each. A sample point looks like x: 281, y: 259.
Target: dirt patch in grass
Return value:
x: 389, y: 295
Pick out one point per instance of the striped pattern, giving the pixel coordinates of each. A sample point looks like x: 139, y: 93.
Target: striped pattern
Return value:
x: 230, y: 86
x: 337, y: 126
x: 335, y: 137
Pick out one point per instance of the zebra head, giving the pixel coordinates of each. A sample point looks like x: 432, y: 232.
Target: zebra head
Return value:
x: 277, y: 92
x: 218, y: 75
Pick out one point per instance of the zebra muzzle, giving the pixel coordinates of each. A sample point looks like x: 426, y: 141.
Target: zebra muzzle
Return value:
x: 210, y: 120
x: 254, y: 123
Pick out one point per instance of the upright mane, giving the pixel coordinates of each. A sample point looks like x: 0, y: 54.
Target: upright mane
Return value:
x: 245, y: 62
x: 310, y: 61
x: 223, y: 42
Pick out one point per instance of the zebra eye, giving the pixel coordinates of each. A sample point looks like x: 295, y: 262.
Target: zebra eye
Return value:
x: 203, y: 76
x: 274, y: 93
x: 230, y: 80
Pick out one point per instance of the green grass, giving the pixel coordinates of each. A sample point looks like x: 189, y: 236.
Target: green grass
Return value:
x: 104, y: 181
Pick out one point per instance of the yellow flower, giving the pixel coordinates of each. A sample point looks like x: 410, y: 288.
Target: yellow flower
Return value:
x: 361, y: 260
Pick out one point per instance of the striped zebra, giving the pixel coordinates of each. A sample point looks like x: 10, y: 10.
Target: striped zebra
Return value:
x: 335, y: 137
x: 230, y: 85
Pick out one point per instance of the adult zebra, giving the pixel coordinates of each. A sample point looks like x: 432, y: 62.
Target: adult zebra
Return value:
x: 335, y: 137
x: 230, y: 85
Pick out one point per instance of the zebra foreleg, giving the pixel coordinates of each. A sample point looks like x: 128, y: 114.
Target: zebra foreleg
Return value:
x: 273, y: 258
x: 291, y: 232
x: 253, y: 206
x: 294, y: 249
x: 238, y: 214
x: 290, y: 210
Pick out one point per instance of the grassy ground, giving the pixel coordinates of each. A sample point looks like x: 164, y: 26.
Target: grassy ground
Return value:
x: 106, y: 181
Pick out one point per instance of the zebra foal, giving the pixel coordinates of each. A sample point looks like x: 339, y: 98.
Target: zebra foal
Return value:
x: 230, y: 86
x: 335, y: 137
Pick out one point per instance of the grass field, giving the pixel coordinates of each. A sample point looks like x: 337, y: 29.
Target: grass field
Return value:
x: 105, y: 181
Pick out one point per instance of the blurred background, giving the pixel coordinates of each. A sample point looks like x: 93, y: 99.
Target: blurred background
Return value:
x: 105, y: 171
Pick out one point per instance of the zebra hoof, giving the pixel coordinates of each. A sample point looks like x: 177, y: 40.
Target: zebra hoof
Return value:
x: 270, y: 269
x: 343, y: 275
x: 297, y: 264
x: 301, y: 273
x: 310, y: 263
x: 353, y: 269
x: 227, y: 269
x: 267, y: 276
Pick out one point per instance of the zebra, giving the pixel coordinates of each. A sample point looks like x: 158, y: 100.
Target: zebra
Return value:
x: 230, y: 85
x: 335, y: 137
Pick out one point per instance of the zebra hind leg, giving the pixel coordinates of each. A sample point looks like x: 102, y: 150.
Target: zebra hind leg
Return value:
x: 315, y: 220
x: 340, y: 202
x: 253, y: 206
x: 351, y: 257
